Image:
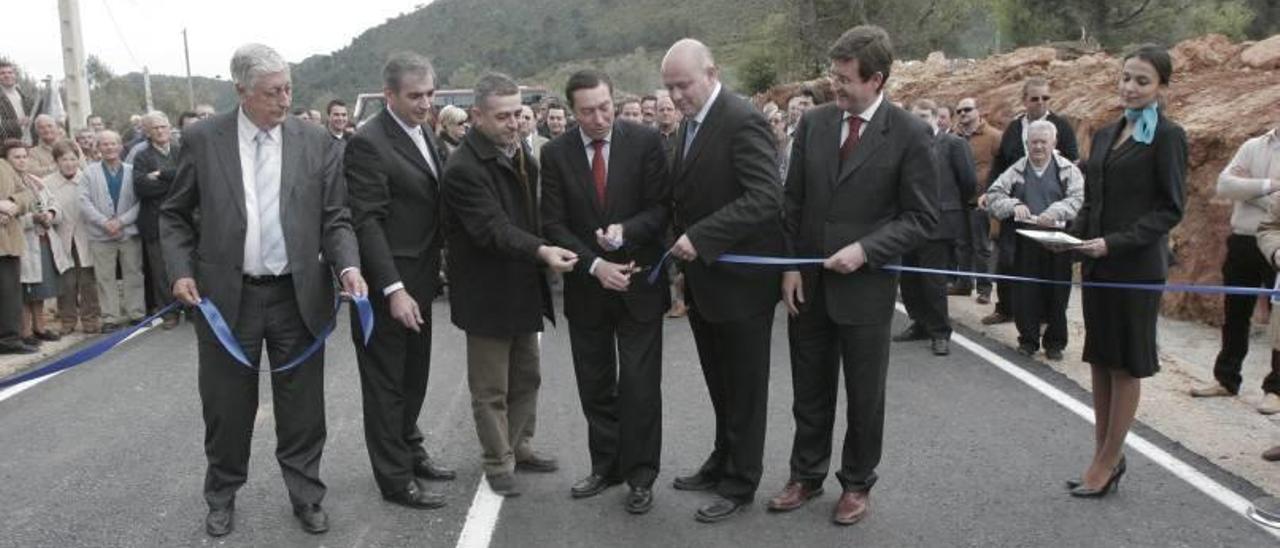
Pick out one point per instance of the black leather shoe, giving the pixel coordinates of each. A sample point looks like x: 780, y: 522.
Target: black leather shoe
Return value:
x: 719, y: 510
x: 941, y: 347
x: 312, y: 518
x: 698, y: 481
x: 1054, y: 354
x: 427, y: 469
x: 591, y: 486
x: 414, y: 497
x: 1027, y: 350
x: 537, y: 463
x: 220, y: 521
x: 639, y: 500
x: 913, y: 332
x: 17, y: 347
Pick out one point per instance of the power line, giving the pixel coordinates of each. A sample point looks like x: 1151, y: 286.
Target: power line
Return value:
x: 120, y: 34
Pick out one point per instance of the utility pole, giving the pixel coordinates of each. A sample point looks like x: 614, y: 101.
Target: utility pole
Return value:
x: 191, y: 90
x: 146, y: 87
x: 78, y: 104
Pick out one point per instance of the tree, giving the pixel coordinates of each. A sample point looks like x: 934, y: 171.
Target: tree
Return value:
x: 1119, y: 23
x: 757, y: 73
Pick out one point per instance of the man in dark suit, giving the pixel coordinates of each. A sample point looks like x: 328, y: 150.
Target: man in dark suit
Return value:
x: 604, y: 197
x: 925, y: 295
x: 861, y: 191
x: 392, y: 168
x: 153, y: 171
x: 727, y: 199
x: 498, y: 292
x: 272, y: 231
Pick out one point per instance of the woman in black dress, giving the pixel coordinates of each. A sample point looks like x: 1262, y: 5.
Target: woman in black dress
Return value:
x: 1135, y: 181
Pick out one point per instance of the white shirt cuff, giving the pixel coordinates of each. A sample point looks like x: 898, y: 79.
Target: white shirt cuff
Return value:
x: 592, y: 270
x: 387, y: 291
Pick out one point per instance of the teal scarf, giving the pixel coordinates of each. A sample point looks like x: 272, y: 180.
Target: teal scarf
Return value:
x: 1144, y: 122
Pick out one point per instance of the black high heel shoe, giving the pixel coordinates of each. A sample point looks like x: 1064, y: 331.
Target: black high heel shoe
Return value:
x: 1073, y: 483
x: 1113, y: 484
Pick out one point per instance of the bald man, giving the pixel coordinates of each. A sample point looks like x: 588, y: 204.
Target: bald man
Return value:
x: 728, y: 199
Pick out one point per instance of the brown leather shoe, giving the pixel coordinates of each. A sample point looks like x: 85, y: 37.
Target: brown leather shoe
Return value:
x: 852, y: 507
x: 793, y: 496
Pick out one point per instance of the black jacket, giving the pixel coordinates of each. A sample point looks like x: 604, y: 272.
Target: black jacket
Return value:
x: 728, y: 199
x: 1133, y: 197
x: 152, y: 191
x: 1011, y: 148
x: 884, y: 195
x: 636, y: 196
x: 395, y: 203
x: 957, y: 180
x: 496, y: 282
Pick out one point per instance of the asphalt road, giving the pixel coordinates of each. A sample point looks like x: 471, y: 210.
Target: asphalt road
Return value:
x: 110, y: 454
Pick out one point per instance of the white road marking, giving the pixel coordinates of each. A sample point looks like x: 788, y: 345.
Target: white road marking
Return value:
x: 1218, y: 492
x: 22, y: 387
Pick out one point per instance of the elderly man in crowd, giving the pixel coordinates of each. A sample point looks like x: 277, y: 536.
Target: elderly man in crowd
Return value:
x: 1013, y: 146
x: 925, y: 295
x: 40, y: 161
x: 265, y: 247
x: 153, y: 171
x: 1250, y: 181
x: 109, y: 212
x: 973, y: 245
x: 1043, y: 190
x: 15, y: 105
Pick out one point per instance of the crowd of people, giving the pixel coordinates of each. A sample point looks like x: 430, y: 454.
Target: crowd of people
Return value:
x: 598, y: 188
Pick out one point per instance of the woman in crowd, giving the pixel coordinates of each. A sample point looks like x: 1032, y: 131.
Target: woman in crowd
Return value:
x: 78, y: 294
x: 1135, y: 185
x: 44, y: 258
x: 453, y: 126
x: 781, y: 140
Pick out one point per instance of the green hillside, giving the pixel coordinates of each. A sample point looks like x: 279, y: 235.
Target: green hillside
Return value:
x: 464, y: 38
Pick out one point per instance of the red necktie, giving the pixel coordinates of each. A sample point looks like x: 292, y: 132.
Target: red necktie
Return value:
x: 598, y: 170
x: 846, y: 148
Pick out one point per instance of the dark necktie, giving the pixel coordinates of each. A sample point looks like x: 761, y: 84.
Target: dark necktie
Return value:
x: 598, y: 170
x: 850, y: 142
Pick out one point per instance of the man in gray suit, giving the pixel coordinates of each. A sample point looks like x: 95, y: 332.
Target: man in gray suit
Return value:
x: 272, y: 230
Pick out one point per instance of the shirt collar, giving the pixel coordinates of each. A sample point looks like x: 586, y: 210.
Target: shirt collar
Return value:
x: 702, y: 114
x: 248, y: 130
x: 870, y: 112
x: 586, y: 140
x: 415, y: 130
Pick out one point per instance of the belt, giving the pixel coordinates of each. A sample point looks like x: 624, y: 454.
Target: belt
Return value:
x: 267, y: 279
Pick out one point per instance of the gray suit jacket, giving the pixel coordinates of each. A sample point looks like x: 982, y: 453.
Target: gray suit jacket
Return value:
x: 317, y: 226
x: 96, y: 207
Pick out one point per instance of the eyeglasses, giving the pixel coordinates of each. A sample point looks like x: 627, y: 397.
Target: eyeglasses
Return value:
x: 964, y: 110
x: 1040, y: 99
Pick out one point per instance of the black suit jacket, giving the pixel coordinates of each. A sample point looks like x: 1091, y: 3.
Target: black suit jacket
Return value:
x: 395, y: 202
x: 636, y: 197
x: 957, y: 180
x: 884, y: 196
x: 152, y: 191
x: 1133, y: 197
x: 313, y: 214
x: 496, y: 284
x: 728, y: 199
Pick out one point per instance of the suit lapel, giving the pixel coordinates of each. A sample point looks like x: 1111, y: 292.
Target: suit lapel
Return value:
x: 873, y: 137
x: 227, y: 147
x: 291, y: 150
x: 404, y: 145
x: 618, y: 167
x: 829, y: 135
x: 706, y: 132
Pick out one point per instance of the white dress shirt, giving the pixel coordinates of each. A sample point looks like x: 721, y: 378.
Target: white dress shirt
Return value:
x: 866, y: 116
x: 415, y: 135
x: 591, y: 157
x: 254, y: 262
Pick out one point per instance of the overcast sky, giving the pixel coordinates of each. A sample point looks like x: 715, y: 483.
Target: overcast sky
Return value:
x: 149, y: 32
